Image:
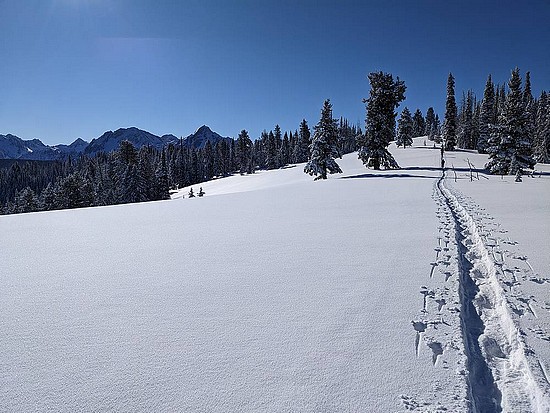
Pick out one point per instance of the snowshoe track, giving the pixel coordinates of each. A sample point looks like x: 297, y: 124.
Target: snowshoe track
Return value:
x: 498, y: 362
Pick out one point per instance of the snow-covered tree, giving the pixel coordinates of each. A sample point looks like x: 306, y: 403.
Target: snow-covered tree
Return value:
x: 419, y: 124
x: 542, y: 133
x: 530, y: 110
x: 162, y: 187
x: 465, y: 135
x: 271, y: 151
x: 512, y: 151
x: 324, y: 146
x: 244, y: 153
x: 302, y: 142
x: 430, y: 124
x: 486, y: 116
x: 284, y: 151
x: 449, y: 124
x: 405, y: 129
x: 385, y: 96
x: 26, y: 201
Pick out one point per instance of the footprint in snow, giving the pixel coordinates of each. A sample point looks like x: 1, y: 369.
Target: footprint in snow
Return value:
x: 440, y: 303
x: 437, y: 350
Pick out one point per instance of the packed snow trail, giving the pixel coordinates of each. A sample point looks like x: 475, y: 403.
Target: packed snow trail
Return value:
x: 492, y: 338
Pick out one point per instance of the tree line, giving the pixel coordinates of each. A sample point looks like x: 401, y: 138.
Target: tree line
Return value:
x: 510, y: 125
x: 132, y: 174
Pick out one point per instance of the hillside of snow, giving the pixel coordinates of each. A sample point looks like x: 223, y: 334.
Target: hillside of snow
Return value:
x: 373, y: 291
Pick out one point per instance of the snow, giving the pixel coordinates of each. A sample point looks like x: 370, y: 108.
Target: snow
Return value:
x: 277, y: 293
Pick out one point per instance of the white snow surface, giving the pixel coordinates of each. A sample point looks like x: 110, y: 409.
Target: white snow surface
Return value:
x: 275, y: 293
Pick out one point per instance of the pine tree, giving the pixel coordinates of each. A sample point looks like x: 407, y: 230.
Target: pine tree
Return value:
x: 486, y: 116
x: 542, y: 135
x: 430, y: 124
x: 284, y: 152
x: 449, y: 124
x: 530, y: 110
x: 305, y: 141
x: 511, y: 153
x: 244, y: 153
x: 271, y: 151
x: 465, y: 138
x: 419, y: 124
x: 26, y: 201
x: 162, y: 186
x: 405, y: 129
x: 278, y: 138
x: 527, y: 95
x: 385, y: 96
x: 324, y: 146
x: 437, y: 129
x: 475, y: 124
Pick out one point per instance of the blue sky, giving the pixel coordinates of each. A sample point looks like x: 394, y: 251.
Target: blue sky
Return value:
x: 76, y: 68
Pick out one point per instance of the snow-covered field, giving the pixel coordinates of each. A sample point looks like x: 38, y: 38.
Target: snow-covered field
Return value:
x: 277, y: 293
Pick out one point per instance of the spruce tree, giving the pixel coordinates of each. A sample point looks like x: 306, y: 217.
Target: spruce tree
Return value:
x: 486, y: 116
x: 244, y: 153
x: 437, y: 129
x: 324, y: 146
x: 271, y: 151
x: 305, y: 141
x: 465, y: 130
x: 530, y: 110
x: 284, y: 152
x: 512, y: 151
x: 430, y: 124
x: 385, y: 96
x: 449, y: 124
x: 405, y: 129
x: 162, y: 186
x: 542, y: 134
x: 419, y: 124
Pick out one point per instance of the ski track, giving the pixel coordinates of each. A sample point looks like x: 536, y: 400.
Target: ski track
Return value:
x: 494, y: 347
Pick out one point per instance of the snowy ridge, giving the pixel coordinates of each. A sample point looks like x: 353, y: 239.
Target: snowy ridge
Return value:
x: 501, y: 342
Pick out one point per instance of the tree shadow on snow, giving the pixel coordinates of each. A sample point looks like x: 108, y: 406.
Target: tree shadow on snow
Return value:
x: 384, y: 175
x: 449, y: 168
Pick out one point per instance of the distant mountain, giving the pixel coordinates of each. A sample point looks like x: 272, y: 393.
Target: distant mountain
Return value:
x: 110, y: 141
x: 203, y: 134
x: 74, y: 148
x: 12, y: 147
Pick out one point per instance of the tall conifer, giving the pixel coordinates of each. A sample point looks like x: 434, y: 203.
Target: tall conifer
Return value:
x: 385, y: 96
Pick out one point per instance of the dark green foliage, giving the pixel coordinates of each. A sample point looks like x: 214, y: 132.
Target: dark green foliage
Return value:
x: 449, y: 124
x: 419, y: 124
x: 324, y: 146
x: 303, y: 142
x: 385, y: 96
x: 466, y: 135
x: 511, y: 149
x: 542, y: 130
x: 486, y: 117
x: 244, y: 153
x: 405, y: 129
x: 430, y: 128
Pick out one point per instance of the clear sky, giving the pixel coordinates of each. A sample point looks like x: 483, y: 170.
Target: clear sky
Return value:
x: 76, y: 68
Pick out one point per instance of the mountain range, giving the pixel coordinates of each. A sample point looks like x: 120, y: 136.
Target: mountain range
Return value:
x: 13, y: 147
